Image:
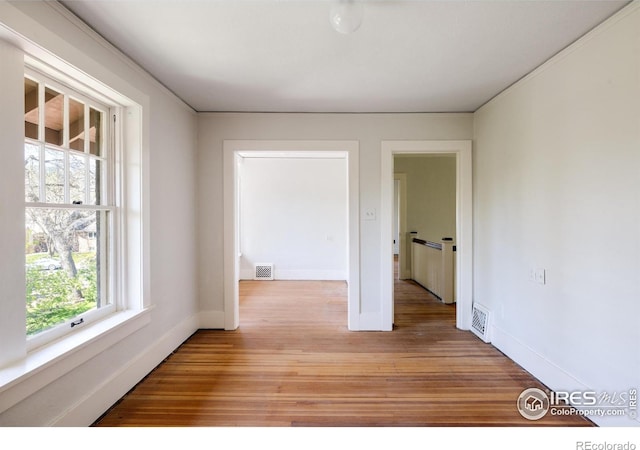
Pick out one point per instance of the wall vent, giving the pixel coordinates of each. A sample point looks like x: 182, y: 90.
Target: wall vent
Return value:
x: 264, y: 272
x: 480, y: 322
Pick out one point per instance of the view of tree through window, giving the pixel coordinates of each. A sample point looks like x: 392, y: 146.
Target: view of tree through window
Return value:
x: 66, y: 217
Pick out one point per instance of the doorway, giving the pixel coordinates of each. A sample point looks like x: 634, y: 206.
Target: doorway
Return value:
x: 234, y: 152
x: 464, y: 235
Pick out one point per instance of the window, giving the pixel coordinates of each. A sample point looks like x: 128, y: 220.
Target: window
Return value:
x: 77, y: 155
x: 70, y: 209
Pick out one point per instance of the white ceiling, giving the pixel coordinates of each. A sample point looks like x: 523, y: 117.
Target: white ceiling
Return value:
x: 283, y: 56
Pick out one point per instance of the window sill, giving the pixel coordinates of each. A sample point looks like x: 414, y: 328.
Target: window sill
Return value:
x: 48, y: 363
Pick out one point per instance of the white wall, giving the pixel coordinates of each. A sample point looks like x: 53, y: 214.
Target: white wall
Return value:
x: 431, y: 195
x: 557, y: 177
x: 293, y: 213
x: 79, y: 396
x: 12, y: 276
x: 369, y: 129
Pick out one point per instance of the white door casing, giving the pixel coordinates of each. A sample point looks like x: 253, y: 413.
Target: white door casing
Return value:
x: 396, y: 216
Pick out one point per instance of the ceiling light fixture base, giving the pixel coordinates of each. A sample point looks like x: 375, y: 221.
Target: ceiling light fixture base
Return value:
x: 345, y: 16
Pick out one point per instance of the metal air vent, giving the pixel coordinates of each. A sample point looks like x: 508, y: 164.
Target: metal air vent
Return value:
x: 264, y: 272
x: 480, y: 322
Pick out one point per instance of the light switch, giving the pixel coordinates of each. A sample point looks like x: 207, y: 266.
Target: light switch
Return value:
x: 538, y: 275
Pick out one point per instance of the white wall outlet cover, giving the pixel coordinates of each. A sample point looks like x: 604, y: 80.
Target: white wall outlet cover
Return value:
x: 370, y: 214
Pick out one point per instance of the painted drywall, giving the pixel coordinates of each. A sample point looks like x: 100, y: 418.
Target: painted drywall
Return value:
x: 369, y: 129
x: 293, y: 214
x: 78, y: 397
x: 12, y: 276
x: 431, y: 195
x: 557, y: 176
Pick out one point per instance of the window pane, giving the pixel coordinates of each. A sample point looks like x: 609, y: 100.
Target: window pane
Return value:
x: 54, y: 176
x: 92, y: 182
x: 95, y: 195
x: 53, y: 116
x: 31, y: 110
x: 31, y: 173
x: 63, y: 280
x: 77, y: 182
x: 95, y: 132
x: 76, y: 125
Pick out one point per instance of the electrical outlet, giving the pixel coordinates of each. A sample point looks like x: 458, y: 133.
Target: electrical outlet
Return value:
x: 370, y: 214
x: 541, y: 276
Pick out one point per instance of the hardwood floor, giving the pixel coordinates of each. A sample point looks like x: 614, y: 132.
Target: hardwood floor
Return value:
x: 293, y: 362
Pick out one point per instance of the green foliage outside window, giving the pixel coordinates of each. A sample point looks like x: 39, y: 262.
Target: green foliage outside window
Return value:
x: 54, y: 297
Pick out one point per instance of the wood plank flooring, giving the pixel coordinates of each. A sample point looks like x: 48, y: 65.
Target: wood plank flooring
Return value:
x: 293, y: 362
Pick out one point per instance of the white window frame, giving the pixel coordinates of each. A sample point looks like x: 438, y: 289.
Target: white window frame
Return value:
x: 24, y: 372
x: 111, y: 203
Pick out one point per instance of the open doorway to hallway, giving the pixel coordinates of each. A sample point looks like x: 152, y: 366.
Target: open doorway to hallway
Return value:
x: 461, y: 150
x: 425, y: 214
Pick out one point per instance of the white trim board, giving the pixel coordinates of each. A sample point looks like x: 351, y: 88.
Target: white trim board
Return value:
x: 404, y: 272
x: 95, y: 403
x: 554, y: 377
x: 293, y: 274
x: 464, y: 222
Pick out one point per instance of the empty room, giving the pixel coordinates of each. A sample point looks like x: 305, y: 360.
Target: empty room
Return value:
x: 401, y: 214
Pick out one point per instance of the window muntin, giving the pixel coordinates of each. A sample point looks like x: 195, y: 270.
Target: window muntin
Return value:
x: 69, y: 209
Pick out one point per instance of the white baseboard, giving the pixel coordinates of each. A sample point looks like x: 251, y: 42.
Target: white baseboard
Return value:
x: 96, y: 402
x: 370, y: 321
x: 300, y: 275
x: 550, y: 374
x: 211, y: 320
